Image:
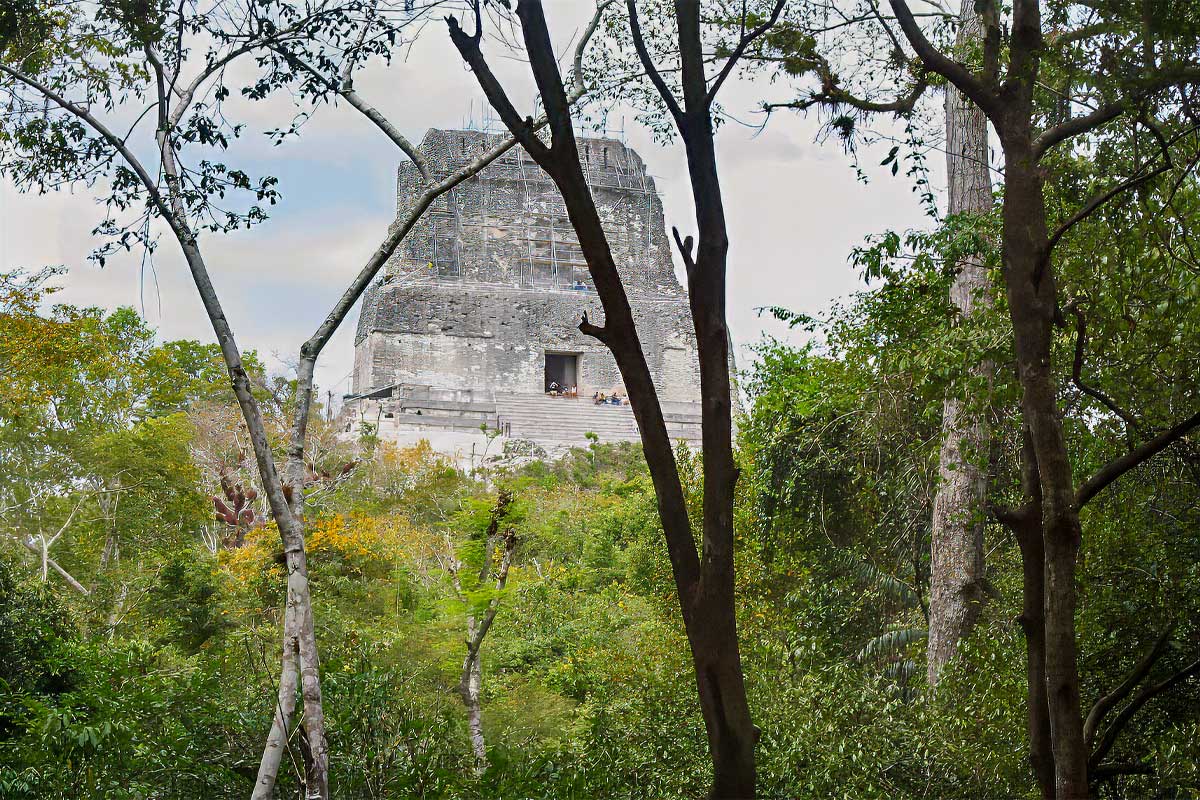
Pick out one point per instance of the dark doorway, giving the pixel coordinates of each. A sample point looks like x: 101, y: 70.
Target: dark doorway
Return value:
x: 562, y: 370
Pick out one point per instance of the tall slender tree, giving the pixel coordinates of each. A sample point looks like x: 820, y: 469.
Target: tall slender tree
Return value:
x: 500, y: 537
x: 144, y: 55
x: 848, y: 86
x: 704, y: 580
x: 956, y: 573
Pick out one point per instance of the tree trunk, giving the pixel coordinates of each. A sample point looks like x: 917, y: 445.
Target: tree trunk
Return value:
x: 1033, y: 308
x: 1032, y: 299
x: 1027, y: 528
x: 289, y: 681
x: 1033, y: 623
x: 705, y: 580
x: 469, y: 689
x: 317, y: 766
x: 470, y: 683
x: 290, y: 527
x: 1032, y: 620
x: 732, y: 735
x: 956, y: 573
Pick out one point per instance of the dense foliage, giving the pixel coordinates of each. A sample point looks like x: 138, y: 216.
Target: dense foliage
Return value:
x: 158, y: 682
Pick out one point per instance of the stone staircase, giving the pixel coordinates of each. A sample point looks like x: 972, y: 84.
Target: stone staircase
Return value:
x: 562, y: 419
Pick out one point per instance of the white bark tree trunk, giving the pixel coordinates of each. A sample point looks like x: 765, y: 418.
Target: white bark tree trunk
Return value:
x: 469, y: 689
x: 470, y: 683
x: 289, y: 681
x: 957, y: 568
x: 41, y: 549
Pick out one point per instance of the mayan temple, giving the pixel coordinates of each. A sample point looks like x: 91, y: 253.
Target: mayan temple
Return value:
x: 474, y: 320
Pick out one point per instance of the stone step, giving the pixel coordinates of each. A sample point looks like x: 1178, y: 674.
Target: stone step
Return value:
x: 435, y: 421
x: 540, y: 417
x: 447, y: 405
x: 544, y: 418
x: 554, y: 422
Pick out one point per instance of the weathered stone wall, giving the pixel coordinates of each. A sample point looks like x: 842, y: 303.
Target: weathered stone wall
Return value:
x: 492, y: 279
x: 509, y: 225
x: 438, y: 336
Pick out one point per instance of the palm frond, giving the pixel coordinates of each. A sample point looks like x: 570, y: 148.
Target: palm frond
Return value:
x: 902, y: 671
x: 891, y: 643
x: 869, y: 573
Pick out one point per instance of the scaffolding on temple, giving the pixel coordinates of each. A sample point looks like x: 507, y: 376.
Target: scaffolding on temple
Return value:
x: 513, y: 201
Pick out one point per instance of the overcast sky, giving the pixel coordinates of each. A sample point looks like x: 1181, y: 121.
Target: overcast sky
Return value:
x: 795, y: 207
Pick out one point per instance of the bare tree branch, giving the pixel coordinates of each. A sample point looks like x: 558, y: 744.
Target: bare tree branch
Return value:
x: 1139, y: 672
x: 52, y: 564
x: 1102, y: 772
x: 1110, y: 111
x: 656, y: 78
x: 344, y: 87
x: 1144, y: 696
x: 834, y: 96
x: 548, y: 78
x: 1075, y: 126
x: 744, y: 41
x: 468, y: 47
x: 936, y: 61
x: 1139, y: 455
x: 1095, y: 203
